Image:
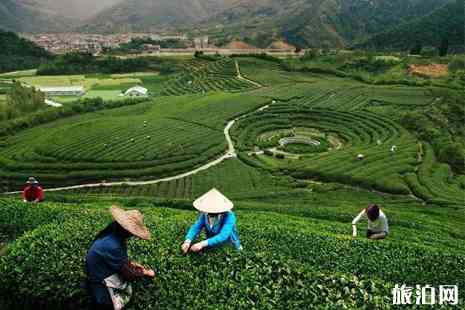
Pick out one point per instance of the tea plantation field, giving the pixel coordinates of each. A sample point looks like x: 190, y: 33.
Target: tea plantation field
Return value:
x: 288, y: 260
x: 299, y: 153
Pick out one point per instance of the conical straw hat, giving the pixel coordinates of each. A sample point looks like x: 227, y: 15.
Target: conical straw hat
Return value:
x: 132, y: 221
x: 213, y: 202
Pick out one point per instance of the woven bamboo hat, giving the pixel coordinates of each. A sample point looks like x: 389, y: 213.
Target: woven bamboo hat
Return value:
x: 132, y: 221
x: 213, y: 202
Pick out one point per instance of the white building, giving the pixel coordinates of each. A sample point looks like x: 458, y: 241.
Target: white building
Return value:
x: 136, y: 91
x: 63, y: 91
x: 53, y: 103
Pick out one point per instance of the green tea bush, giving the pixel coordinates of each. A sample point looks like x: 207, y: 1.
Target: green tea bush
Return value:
x: 18, y: 217
x: 286, y: 262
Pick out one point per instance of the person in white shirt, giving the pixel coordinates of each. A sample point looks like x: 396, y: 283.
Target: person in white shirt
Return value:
x: 377, y: 223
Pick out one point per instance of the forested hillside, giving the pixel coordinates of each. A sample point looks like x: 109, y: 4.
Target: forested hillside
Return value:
x: 18, y: 54
x: 304, y: 23
x: 27, y: 16
x: 315, y: 23
x: 142, y: 15
x: 446, y: 23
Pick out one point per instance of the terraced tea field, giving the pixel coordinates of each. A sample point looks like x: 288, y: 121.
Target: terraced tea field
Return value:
x: 205, y: 76
x: 300, y: 154
x: 174, y: 134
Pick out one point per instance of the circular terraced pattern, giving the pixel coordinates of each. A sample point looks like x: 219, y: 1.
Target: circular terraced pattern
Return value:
x: 298, y: 140
x: 361, y: 132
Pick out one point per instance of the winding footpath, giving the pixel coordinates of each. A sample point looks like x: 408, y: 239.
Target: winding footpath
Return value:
x: 230, y: 153
x: 240, y: 77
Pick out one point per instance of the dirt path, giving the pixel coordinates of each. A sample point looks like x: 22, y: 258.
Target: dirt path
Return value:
x: 230, y: 153
x: 240, y: 77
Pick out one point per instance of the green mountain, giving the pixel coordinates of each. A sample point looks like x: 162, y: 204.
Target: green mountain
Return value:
x: 19, y: 54
x: 305, y: 23
x: 30, y: 16
x: 300, y: 22
x: 314, y: 23
x: 143, y: 15
x: 444, y: 23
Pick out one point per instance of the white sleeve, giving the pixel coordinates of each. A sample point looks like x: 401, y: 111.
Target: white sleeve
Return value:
x: 384, y: 222
x: 358, y: 217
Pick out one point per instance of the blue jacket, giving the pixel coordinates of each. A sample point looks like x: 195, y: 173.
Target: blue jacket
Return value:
x: 224, y: 230
x: 106, y: 256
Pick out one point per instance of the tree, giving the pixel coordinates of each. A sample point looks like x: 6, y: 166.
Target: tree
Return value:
x: 444, y: 47
x: 416, y: 49
x: 454, y: 155
x: 22, y: 100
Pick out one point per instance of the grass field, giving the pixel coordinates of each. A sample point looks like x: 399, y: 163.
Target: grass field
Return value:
x: 294, y: 203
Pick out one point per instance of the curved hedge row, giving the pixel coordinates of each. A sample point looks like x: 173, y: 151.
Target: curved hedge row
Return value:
x: 169, y: 136
x: 362, y: 132
x: 434, y: 182
x: 203, y: 76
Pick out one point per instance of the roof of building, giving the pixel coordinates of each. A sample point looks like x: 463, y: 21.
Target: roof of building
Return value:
x: 61, y: 88
x: 139, y: 89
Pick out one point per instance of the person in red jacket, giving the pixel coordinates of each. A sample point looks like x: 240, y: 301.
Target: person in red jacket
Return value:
x: 33, y: 192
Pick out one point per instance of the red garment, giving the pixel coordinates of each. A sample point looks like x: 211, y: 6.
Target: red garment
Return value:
x: 33, y: 193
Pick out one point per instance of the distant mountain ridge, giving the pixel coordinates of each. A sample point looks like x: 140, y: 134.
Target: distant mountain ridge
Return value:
x: 446, y: 22
x: 19, y: 16
x: 307, y: 23
x: 304, y: 23
x: 316, y: 23
x: 48, y: 15
x: 143, y: 15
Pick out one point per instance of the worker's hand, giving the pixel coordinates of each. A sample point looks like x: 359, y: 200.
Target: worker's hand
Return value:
x: 198, y: 247
x: 185, y: 246
x: 149, y: 273
x: 137, y: 265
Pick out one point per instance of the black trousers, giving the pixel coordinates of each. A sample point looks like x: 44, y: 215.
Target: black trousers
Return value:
x: 371, y: 233
x: 96, y: 306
